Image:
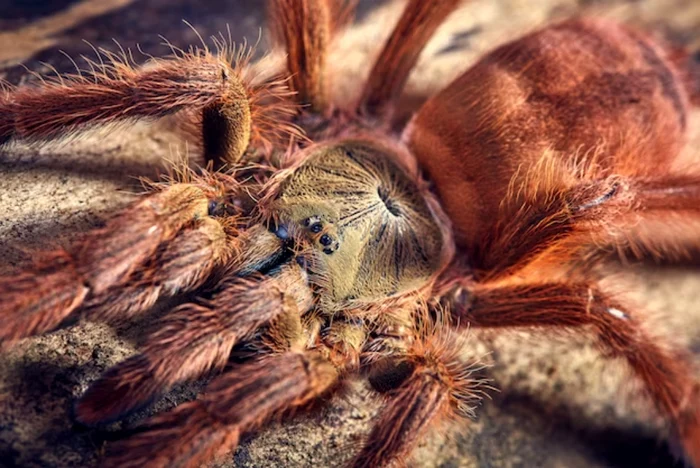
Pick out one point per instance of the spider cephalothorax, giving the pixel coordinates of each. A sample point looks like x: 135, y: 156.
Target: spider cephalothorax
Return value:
x: 318, y: 250
x: 375, y: 235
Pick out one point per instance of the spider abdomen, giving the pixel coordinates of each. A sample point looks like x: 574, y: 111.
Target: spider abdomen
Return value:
x: 579, y: 92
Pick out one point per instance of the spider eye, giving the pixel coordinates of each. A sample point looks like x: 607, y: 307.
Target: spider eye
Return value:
x: 216, y: 208
x: 326, y: 240
x: 282, y: 232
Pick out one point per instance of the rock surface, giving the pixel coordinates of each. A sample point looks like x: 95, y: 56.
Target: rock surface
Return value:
x: 560, y: 404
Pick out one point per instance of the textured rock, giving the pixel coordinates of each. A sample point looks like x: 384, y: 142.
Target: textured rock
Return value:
x: 560, y: 405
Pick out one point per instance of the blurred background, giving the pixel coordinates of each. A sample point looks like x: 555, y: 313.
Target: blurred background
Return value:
x: 560, y: 404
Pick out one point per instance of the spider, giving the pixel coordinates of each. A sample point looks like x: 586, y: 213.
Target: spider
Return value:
x: 330, y: 241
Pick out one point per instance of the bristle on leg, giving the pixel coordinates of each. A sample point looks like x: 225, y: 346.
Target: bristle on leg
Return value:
x: 114, y: 91
x: 441, y: 387
x: 39, y: 298
x: 235, y: 403
x: 193, y: 340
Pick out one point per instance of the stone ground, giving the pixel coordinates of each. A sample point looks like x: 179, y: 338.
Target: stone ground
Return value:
x: 560, y: 404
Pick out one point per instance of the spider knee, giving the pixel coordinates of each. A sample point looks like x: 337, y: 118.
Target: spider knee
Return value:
x: 613, y: 190
x: 227, y: 123
x: 387, y: 375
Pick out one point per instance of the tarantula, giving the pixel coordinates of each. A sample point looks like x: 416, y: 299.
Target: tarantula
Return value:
x: 318, y: 251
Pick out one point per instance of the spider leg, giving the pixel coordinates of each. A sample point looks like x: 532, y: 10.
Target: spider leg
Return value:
x: 237, y: 402
x: 666, y: 372
x: 306, y: 28
x: 183, y: 264
x: 439, y: 386
x: 119, y: 93
x: 647, y: 216
x: 39, y: 298
x: 388, y: 77
x: 541, y: 221
x: 664, y: 221
x: 194, y: 339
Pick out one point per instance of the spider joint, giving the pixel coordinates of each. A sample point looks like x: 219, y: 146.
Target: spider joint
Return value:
x: 601, y: 199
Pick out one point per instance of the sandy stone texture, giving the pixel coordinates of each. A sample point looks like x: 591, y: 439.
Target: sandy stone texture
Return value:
x: 560, y: 403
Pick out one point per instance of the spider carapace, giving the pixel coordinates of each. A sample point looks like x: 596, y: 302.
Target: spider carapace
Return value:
x: 336, y: 240
x: 375, y: 234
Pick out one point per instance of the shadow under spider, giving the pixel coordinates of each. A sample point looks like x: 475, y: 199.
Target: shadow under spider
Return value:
x: 66, y: 439
x: 94, y: 165
x: 610, y: 446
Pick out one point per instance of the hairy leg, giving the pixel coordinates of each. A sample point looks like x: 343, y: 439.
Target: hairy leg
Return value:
x: 666, y: 220
x: 201, y: 254
x: 388, y: 77
x: 439, y: 387
x: 237, y: 402
x: 645, y: 216
x: 531, y: 224
x: 39, y: 298
x: 183, y: 264
x: 305, y: 28
x: 116, y: 92
x: 666, y: 372
x: 192, y: 340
